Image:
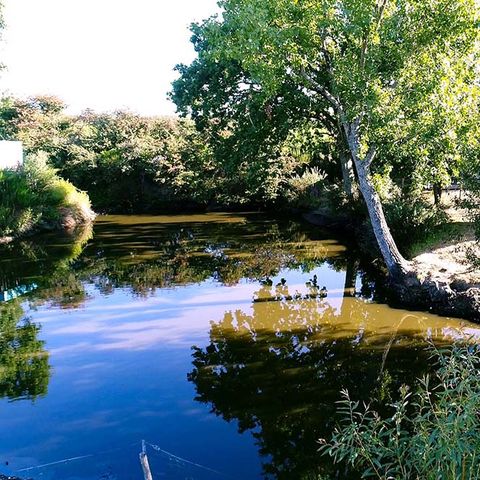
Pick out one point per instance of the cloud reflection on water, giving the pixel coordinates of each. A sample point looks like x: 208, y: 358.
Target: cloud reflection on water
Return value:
x: 182, y: 317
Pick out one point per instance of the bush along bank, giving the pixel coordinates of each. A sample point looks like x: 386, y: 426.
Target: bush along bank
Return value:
x: 34, y: 198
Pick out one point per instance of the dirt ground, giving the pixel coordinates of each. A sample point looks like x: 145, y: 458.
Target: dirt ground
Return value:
x: 450, y: 259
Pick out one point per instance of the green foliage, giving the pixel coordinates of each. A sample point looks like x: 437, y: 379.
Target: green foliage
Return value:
x: 403, y: 65
x: 33, y: 195
x: 36, y: 122
x: 390, y: 81
x: 260, y: 142
x: 131, y: 163
x: 383, y: 183
x: 242, y: 155
x: 412, y: 220
x: 16, y: 215
x: 126, y: 162
x: 470, y: 177
x: 433, y: 433
x: 305, y: 189
x: 269, y: 94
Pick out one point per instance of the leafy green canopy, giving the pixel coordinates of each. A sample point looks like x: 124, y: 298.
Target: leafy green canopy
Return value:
x: 123, y: 160
x: 405, y: 69
x: 259, y: 142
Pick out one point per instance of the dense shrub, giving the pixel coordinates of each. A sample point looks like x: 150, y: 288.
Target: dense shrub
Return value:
x: 130, y: 163
x: 126, y: 162
x: 33, y: 196
x: 412, y: 221
x: 306, y: 189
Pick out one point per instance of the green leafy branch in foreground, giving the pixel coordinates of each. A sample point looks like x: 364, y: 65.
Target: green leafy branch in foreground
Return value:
x: 433, y: 434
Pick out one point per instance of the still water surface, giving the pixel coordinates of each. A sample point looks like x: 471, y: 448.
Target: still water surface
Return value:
x: 223, y: 340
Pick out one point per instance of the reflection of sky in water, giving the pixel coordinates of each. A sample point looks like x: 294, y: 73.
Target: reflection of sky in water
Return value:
x: 119, y: 366
x: 119, y: 374
x: 176, y: 317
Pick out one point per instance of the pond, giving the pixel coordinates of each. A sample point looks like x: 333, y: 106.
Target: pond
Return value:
x: 222, y: 340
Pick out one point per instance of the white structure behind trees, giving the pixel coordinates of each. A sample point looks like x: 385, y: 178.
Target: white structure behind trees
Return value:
x: 11, y: 154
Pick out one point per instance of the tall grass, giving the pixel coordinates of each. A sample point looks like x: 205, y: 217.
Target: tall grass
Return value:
x: 432, y: 434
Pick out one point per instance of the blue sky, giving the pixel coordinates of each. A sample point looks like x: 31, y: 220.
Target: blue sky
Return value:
x: 101, y: 54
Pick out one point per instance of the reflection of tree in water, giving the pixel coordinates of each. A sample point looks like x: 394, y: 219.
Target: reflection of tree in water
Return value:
x: 226, y: 253
x: 278, y: 372
x: 45, y: 265
x: 145, y: 257
x: 24, y: 367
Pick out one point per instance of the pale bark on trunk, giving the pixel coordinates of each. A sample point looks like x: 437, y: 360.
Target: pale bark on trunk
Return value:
x: 396, y: 264
x: 348, y: 175
x: 346, y: 164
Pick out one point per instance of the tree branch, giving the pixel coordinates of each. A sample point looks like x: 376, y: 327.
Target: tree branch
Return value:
x: 372, y: 152
x: 326, y: 118
x: 380, y: 11
x: 322, y: 91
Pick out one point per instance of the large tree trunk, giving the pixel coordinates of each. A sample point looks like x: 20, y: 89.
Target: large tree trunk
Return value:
x: 397, y: 266
x: 395, y: 262
x: 350, y: 277
x: 348, y: 175
x: 346, y: 164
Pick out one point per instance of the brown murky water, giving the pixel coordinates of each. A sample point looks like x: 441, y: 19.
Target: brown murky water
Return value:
x: 223, y: 340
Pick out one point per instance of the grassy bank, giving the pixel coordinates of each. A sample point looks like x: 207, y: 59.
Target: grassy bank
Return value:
x: 452, y: 246
x: 33, y: 197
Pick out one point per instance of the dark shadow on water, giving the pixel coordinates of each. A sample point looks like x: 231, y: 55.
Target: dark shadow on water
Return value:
x: 278, y: 372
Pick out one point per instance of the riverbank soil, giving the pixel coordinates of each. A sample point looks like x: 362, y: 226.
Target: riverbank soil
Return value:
x: 450, y: 255
x: 446, y: 267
